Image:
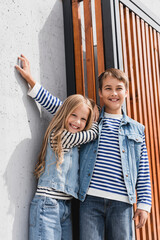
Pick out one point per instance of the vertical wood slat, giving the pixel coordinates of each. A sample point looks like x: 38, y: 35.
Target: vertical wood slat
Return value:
x: 125, y: 59
x: 89, y: 50
x: 141, y: 56
x: 78, y: 53
x: 99, y: 31
x: 130, y: 65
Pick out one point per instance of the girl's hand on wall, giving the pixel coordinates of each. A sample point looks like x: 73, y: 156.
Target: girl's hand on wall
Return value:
x: 25, y: 70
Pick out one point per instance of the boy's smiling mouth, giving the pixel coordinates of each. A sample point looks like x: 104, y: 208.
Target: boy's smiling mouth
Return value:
x: 114, y: 99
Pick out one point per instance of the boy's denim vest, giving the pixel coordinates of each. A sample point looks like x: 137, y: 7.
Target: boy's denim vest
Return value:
x: 64, y: 179
x: 130, y: 142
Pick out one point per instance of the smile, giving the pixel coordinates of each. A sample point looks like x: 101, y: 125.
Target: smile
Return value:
x: 114, y: 99
x: 73, y: 126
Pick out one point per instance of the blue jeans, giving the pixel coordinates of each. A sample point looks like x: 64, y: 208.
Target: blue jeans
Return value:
x: 102, y: 218
x: 50, y: 219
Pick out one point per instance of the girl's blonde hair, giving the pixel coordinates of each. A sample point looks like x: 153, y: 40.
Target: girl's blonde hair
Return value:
x: 57, y: 125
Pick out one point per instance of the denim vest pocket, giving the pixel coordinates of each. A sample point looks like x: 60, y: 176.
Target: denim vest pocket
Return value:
x: 134, y: 152
x: 135, y: 137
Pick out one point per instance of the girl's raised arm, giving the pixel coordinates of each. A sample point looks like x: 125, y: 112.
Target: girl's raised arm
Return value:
x: 37, y: 92
x: 25, y: 70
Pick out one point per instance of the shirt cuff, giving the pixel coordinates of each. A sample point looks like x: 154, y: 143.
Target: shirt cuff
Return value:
x: 144, y: 206
x: 32, y: 92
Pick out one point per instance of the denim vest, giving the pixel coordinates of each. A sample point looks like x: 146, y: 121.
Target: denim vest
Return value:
x: 130, y: 142
x: 64, y: 179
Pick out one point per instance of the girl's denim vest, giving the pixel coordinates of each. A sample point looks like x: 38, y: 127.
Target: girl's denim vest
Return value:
x: 130, y: 142
x: 65, y: 178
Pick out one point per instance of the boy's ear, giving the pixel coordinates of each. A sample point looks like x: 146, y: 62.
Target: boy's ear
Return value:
x: 126, y: 93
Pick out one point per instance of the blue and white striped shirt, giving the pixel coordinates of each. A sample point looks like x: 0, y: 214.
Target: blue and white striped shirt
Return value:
x: 69, y: 140
x: 107, y: 180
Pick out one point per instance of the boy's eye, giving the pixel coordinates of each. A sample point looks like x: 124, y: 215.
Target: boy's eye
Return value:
x: 107, y: 88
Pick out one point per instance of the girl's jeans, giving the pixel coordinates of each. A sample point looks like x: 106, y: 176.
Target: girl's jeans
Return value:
x: 102, y: 218
x: 50, y: 219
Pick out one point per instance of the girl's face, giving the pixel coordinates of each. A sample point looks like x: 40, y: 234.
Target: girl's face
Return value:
x: 77, y: 120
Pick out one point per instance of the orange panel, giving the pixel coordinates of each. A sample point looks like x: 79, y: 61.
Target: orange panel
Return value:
x: 78, y: 54
x: 125, y: 59
x: 99, y: 31
x: 89, y: 50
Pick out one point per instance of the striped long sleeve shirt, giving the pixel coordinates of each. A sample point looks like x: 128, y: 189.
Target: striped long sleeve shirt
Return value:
x: 107, y: 179
x: 69, y: 140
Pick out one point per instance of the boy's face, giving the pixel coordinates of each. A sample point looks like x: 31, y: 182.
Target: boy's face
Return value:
x: 113, y: 94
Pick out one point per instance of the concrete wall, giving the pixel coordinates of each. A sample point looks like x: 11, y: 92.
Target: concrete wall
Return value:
x: 153, y: 6
x: 34, y: 28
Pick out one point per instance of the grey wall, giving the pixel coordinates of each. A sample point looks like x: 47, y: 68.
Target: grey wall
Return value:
x: 153, y: 6
x: 34, y: 28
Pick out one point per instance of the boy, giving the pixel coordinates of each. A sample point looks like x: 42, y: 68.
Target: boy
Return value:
x: 110, y: 167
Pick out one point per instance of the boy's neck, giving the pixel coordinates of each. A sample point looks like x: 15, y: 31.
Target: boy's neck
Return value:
x: 117, y: 112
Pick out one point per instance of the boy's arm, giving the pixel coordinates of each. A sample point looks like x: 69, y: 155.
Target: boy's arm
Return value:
x: 143, y: 188
x: 70, y: 140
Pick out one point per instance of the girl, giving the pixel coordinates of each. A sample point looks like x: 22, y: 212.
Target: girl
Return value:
x: 57, y: 168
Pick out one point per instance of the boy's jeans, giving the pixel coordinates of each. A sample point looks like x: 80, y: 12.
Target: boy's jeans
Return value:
x: 101, y: 217
x: 50, y: 219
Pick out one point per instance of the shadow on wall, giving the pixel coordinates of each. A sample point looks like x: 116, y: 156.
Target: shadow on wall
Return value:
x: 18, y: 176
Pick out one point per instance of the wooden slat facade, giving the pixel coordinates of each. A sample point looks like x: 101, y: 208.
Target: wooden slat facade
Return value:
x: 141, y: 62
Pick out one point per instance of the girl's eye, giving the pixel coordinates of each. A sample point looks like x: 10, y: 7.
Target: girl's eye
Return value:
x: 83, y: 119
x: 120, y: 88
x: 107, y: 88
x: 73, y: 114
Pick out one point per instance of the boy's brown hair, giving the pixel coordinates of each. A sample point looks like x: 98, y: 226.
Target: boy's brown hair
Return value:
x: 113, y: 72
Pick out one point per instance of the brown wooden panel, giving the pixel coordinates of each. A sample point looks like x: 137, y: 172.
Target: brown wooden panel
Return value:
x: 78, y: 54
x: 141, y: 57
x: 99, y: 31
x: 89, y: 49
x: 125, y: 59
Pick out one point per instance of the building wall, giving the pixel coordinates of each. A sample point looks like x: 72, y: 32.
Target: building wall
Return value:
x: 153, y: 6
x: 34, y: 28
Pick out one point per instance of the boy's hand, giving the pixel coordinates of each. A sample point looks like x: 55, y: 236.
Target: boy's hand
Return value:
x: 143, y: 215
x: 25, y: 70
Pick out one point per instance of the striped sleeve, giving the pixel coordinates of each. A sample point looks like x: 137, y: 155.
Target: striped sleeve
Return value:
x: 43, y: 97
x: 70, y: 140
x: 143, y: 181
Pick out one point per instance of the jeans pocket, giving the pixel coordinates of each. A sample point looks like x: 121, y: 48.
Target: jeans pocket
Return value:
x: 33, y: 214
x: 50, y: 202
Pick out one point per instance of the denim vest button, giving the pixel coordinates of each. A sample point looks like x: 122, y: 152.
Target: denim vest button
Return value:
x: 126, y: 175
x: 89, y: 174
x: 123, y: 150
x: 95, y: 151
